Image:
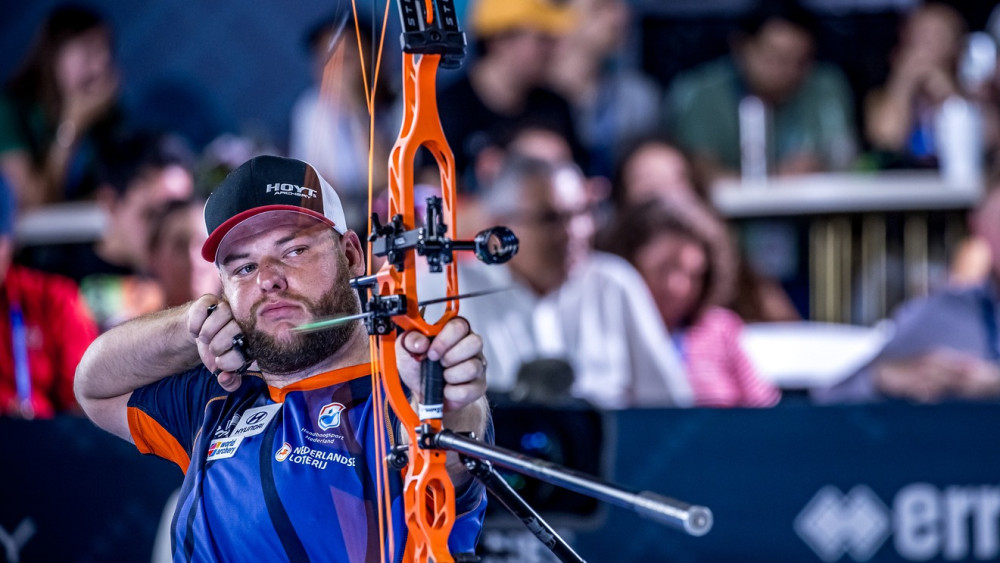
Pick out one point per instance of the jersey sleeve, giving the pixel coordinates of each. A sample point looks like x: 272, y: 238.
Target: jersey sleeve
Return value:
x: 165, y: 417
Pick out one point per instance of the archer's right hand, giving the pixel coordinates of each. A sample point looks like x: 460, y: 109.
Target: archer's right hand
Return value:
x: 213, y: 328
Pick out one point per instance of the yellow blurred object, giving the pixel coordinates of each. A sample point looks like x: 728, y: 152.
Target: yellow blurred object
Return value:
x: 490, y: 17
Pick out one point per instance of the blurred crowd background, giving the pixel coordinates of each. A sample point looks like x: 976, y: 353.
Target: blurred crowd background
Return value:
x: 627, y: 143
x: 729, y: 204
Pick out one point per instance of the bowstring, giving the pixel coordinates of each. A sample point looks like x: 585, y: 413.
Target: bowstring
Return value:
x: 380, y: 404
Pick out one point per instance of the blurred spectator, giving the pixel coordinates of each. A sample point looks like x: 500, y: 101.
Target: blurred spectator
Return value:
x: 44, y: 330
x: 222, y: 155
x: 611, y: 102
x: 655, y: 168
x: 901, y: 116
x: 175, y: 253
x: 565, y: 301
x: 330, y: 120
x: 139, y: 177
x: 504, y: 86
x: 59, y: 109
x: 808, y: 115
x: 530, y: 140
x: 683, y: 254
x: 946, y: 345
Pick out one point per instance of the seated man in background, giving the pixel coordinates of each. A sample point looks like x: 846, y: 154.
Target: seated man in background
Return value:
x: 612, y: 101
x: 564, y: 300
x: 809, y: 105
x: 138, y: 178
x: 44, y: 329
x: 944, y: 346
x: 175, y: 253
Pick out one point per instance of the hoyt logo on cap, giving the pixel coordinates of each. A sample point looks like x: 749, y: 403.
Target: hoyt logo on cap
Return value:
x: 292, y: 189
x: 269, y: 183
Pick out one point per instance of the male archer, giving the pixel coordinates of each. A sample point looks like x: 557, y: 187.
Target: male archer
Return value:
x: 280, y: 463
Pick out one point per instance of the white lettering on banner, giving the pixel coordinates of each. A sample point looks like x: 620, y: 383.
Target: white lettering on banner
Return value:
x: 955, y: 523
x: 932, y: 523
x: 291, y: 189
x: 919, y: 513
x: 14, y: 542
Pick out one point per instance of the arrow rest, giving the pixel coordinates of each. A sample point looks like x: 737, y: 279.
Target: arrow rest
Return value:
x: 380, y: 309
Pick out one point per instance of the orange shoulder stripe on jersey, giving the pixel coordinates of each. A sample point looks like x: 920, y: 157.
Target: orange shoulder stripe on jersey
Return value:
x: 151, y: 438
x: 319, y: 381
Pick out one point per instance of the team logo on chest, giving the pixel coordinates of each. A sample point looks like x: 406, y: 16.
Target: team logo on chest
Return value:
x: 329, y: 416
x: 283, y: 451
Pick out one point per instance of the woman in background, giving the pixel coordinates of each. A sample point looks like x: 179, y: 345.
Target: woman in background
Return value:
x: 58, y: 109
x: 684, y: 256
x: 654, y: 167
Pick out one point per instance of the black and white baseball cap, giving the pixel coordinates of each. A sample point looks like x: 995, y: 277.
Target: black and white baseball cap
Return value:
x: 269, y: 183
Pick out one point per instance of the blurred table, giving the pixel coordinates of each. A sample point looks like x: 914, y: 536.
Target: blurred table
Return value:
x: 874, y: 239
x: 809, y: 355
x: 60, y: 223
x: 820, y: 194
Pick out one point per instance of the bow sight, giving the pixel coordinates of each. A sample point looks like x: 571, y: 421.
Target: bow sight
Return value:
x: 495, y: 245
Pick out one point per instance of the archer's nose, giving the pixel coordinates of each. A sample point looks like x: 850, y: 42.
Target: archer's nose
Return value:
x: 271, y: 276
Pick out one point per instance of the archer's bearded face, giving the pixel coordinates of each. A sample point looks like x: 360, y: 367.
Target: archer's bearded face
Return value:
x: 283, y: 269
x: 289, y: 352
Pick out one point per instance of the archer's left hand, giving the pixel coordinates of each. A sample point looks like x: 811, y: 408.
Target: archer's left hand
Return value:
x: 460, y: 352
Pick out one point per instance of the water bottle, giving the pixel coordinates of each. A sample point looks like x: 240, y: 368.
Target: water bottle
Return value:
x: 959, y: 141
x: 753, y: 140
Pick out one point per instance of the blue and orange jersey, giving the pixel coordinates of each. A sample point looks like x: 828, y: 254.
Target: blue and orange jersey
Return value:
x: 279, y: 474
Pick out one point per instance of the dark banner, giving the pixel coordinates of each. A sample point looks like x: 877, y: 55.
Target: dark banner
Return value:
x: 72, y: 492
x: 797, y: 483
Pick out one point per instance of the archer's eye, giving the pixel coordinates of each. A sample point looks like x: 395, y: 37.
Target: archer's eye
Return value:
x: 244, y: 270
x: 296, y: 251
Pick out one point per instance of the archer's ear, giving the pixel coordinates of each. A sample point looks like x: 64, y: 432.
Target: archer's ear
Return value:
x: 354, y: 252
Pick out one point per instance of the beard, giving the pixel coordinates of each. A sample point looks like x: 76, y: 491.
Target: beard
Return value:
x: 304, y: 350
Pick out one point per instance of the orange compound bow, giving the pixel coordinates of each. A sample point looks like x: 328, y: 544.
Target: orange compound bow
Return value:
x: 431, y: 38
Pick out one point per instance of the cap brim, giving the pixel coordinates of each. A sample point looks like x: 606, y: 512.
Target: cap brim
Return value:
x: 210, y: 249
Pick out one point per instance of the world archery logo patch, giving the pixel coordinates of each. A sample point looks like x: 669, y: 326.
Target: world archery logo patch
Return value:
x: 329, y: 416
x: 222, y: 449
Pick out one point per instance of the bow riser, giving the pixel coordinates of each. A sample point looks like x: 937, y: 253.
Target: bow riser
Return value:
x: 429, y: 495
